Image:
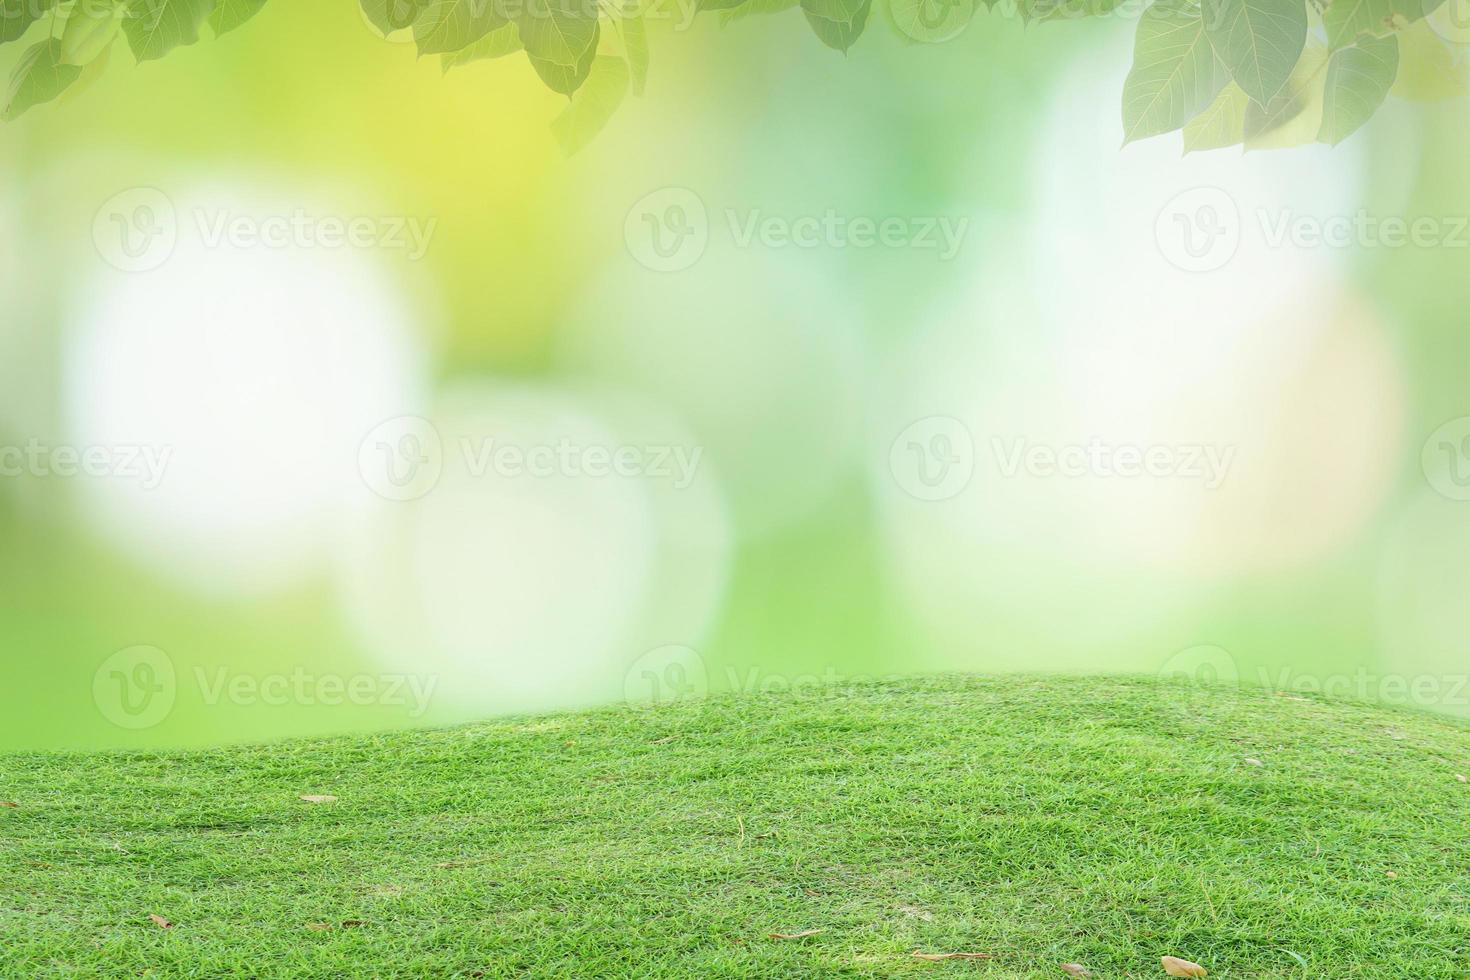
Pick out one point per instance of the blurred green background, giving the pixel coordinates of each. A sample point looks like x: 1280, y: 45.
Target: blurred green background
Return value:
x: 270, y: 583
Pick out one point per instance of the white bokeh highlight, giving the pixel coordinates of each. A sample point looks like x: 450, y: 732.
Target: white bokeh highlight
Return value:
x: 534, y: 591
x: 1081, y: 325
x: 258, y: 369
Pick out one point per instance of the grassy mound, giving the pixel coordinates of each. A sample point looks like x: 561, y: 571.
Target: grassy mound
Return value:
x: 1104, y: 822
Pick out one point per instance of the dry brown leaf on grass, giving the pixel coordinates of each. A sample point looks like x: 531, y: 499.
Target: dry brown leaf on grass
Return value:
x: 795, y: 935
x: 1176, y: 967
x: 353, y: 923
x: 9, y: 805
x: 1076, y: 969
x: 936, y: 957
x: 161, y: 922
x: 319, y: 799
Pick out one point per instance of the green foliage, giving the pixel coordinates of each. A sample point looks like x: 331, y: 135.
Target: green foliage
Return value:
x: 1276, y: 73
x: 593, y: 104
x: 40, y: 77
x: 447, y: 26
x: 230, y: 14
x: 500, y: 42
x: 89, y: 31
x: 838, y: 23
x: 1259, y: 41
x: 1176, y: 73
x: 1358, y: 80
x: 156, y: 27
x: 560, y: 38
x: 16, y: 16
x: 1221, y: 124
x: 1256, y: 73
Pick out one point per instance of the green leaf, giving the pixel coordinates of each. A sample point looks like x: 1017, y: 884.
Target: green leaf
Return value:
x: 90, y: 29
x: 17, y: 16
x: 1429, y: 69
x: 500, y: 42
x: 230, y: 14
x: 593, y: 104
x: 753, y: 7
x: 1295, y: 115
x: 1175, y: 74
x: 392, y: 16
x: 446, y: 26
x: 838, y: 23
x: 1260, y: 41
x: 560, y: 37
x: 93, y: 71
x: 635, y: 46
x: 1358, y: 80
x: 156, y: 27
x: 39, y: 77
x: 1348, y: 20
x: 1221, y: 124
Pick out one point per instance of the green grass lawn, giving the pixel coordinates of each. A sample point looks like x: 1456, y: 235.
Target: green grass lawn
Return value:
x: 1105, y: 822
